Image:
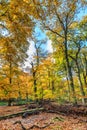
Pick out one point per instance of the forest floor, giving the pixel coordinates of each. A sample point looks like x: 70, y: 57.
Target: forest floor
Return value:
x: 54, y: 117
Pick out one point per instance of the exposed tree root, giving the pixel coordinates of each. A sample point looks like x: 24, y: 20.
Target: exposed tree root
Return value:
x: 34, y: 126
x: 23, y: 113
x: 40, y: 127
x: 19, y: 122
x: 53, y: 111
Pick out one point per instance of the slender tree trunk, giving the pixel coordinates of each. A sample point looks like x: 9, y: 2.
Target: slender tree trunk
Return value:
x: 68, y: 89
x: 85, y: 75
x: 53, y: 88
x: 69, y: 69
x: 42, y: 94
x: 35, y: 85
x: 80, y: 81
x: 26, y: 96
x: 19, y: 98
x: 67, y: 82
x: 9, y: 102
x: 34, y: 81
x: 84, y: 65
x: 49, y: 84
x: 10, y: 82
x: 19, y: 92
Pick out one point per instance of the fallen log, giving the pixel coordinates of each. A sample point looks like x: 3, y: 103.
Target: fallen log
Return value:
x: 21, y: 113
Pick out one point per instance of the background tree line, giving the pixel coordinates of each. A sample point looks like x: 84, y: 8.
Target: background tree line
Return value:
x: 60, y: 75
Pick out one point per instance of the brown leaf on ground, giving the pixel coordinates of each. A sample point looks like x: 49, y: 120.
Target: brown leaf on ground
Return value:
x: 44, y: 120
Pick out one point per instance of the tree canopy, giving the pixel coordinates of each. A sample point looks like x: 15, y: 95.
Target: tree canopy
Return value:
x: 60, y: 75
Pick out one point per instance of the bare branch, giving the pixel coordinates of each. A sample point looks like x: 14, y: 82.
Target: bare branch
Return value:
x: 48, y: 28
x: 61, y: 22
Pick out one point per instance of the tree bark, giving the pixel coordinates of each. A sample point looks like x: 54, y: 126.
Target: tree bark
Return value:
x: 81, y: 85
x: 10, y: 81
x: 79, y: 77
x: 69, y: 68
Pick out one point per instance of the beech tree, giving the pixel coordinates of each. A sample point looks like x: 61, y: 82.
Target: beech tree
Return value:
x: 83, y: 30
x: 57, y: 17
x: 17, y: 25
x: 75, y: 56
x: 62, y: 72
x: 38, y: 56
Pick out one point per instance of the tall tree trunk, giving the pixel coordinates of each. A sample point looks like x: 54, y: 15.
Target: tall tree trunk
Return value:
x: 10, y: 82
x: 9, y: 102
x: 68, y: 85
x: 69, y: 69
x: 53, y: 88
x: 42, y: 90
x: 49, y: 84
x: 27, y: 96
x: 35, y: 85
x: 85, y: 75
x: 80, y: 81
x: 34, y: 81
x: 19, y: 97
x: 19, y: 92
